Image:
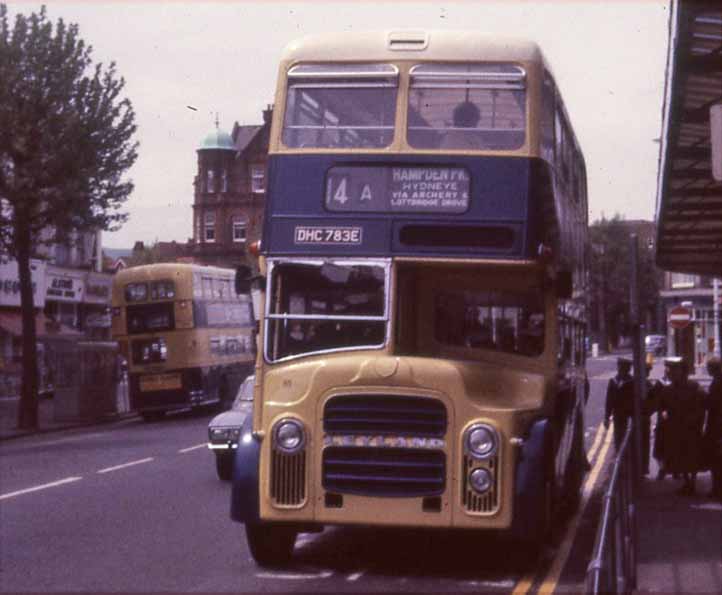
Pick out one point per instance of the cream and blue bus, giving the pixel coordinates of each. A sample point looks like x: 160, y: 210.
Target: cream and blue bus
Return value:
x: 423, y: 269
x: 187, y: 335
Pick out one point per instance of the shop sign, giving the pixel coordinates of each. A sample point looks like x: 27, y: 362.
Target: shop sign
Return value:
x: 97, y: 320
x: 64, y: 286
x: 10, y: 283
x: 97, y: 288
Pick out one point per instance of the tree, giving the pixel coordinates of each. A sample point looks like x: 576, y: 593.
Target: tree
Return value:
x: 66, y: 141
x: 611, y: 274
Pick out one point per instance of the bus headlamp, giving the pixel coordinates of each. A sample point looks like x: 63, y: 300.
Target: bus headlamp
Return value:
x: 481, y: 441
x: 480, y: 480
x: 288, y: 436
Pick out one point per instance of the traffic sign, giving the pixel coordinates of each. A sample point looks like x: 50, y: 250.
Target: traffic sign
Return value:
x: 680, y: 317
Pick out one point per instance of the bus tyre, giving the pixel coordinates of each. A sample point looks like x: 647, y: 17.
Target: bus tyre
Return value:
x: 576, y: 469
x: 224, y: 466
x: 271, y: 545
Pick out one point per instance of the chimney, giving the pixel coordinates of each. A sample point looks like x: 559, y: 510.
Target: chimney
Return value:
x: 267, y: 113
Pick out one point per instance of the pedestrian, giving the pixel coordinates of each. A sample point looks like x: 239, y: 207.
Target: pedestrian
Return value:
x: 649, y: 406
x: 683, y: 406
x: 620, y: 400
x: 713, y: 429
x: 658, y: 450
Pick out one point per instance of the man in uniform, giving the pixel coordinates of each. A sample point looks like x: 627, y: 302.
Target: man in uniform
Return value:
x: 620, y: 400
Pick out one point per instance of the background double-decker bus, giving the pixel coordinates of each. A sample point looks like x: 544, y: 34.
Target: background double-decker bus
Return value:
x: 187, y: 335
x: 423, y: 260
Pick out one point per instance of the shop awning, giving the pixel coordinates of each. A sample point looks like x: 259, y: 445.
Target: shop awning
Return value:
x: 689, y: 200
x: 45, y: 327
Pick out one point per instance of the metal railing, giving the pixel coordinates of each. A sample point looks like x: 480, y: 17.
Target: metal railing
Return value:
x: 613, y: 568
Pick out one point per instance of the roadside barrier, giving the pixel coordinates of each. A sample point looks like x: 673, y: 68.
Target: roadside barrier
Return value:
x: 613, y: 568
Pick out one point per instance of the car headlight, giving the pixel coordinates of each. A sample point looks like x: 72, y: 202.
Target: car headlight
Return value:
x: 219, y: 433
x: 288, y: 436
x: 481, y: 441
x: 480, y: 480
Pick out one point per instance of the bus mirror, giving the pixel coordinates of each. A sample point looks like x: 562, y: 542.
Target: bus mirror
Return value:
x: 564, y: 284
x: 243, y: 279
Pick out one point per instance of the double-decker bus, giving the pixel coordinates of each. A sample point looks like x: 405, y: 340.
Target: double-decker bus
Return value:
x: 187, y: 335
x: 423, y: 270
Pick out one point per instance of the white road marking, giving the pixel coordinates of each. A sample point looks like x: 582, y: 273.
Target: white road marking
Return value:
x: 124, y: 465
x: 710, y: 506
x: 355, y: 576
x: 40, y: 487
x: 294, y: 576
x: 190, y: 448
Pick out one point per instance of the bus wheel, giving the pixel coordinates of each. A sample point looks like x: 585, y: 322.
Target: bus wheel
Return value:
x: 224, y: 466
x: 152, y: 415
x: 271, y: 545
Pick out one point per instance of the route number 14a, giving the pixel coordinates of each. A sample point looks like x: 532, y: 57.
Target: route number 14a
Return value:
x: 341, y: 194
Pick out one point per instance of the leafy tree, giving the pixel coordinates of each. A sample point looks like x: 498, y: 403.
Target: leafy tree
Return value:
x: 66, y: 140
x: 611, y: 273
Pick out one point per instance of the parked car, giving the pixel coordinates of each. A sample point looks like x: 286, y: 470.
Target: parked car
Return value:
x: 224, y: 429
x: 655, y: 344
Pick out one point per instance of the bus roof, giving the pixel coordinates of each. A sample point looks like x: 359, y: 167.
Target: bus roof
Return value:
x: 393, y: 45
x: 167, y: 269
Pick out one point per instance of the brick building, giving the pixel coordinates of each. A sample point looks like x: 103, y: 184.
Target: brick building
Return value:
x: 229, y: 193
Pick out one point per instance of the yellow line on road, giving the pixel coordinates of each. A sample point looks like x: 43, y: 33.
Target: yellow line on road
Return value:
x: 525, y: 584
x: 552, y: 578
x: 596, y: 443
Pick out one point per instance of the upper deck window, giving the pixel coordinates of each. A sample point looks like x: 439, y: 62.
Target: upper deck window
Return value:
x: 467, y: 107
x: 348, y: 106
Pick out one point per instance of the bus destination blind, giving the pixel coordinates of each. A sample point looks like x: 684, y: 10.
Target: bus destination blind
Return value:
x: 397, y: 189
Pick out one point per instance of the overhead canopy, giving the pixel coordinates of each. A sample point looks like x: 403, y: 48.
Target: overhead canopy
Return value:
x: 689, y: 200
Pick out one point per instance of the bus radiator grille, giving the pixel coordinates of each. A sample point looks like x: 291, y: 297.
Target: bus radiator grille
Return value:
x: 473, y: 502
x: 385, y: 414
x: 391, y: 472
x: 288, y: 479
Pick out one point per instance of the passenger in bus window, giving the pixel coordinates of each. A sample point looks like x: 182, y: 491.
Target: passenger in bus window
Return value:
x: 465, y: 118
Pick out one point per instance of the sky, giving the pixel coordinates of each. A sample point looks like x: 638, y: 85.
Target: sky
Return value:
x: 608, y: 58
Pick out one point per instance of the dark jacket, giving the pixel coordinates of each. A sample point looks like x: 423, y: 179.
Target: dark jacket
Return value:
x: 684, y: 404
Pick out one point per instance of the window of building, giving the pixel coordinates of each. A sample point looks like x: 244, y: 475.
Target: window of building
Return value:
x: 682, y: 281
x: 210, y: 227
x: 239, y: 229
x: 224, y: 181
x: 258, y: 179
x: 62, y: 254
x: 211, y: 181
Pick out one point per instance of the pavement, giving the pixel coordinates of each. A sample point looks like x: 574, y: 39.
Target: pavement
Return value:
x: 680, y: 537
x: 47, y: 421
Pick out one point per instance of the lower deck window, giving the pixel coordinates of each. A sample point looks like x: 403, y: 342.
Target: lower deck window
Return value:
x: 503, y: 321
x: 322, y: 306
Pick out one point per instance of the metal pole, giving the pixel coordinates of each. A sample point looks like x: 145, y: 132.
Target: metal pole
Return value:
x: 640, y: 376
x: 715, y: 310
